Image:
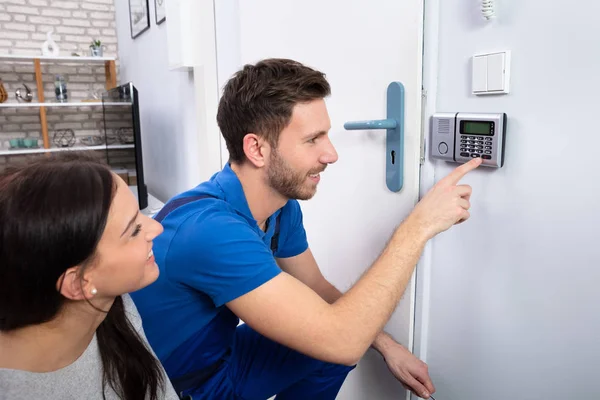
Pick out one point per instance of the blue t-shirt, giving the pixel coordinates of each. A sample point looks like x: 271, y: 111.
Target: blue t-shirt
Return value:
x: 211, y: 252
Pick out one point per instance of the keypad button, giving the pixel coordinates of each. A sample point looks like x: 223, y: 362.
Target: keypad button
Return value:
x: 464, y: 154
x: 488, y: 147
x: 475, y: 155
x: 479, y: 147
x: 463, y: 141
x: 486, y: 157
x: 488, y: 152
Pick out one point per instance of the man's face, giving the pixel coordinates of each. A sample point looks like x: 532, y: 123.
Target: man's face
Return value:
x: 303, y: 152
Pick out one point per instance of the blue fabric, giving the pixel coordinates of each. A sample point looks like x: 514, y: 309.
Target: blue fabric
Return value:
x: 259, y: 368
x: 211, y: 252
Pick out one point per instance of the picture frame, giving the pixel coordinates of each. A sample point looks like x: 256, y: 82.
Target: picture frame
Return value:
x: 139, y: 17
x: 160, y: 11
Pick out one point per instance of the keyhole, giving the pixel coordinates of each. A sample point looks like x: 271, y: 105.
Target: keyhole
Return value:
x: 393, y: 157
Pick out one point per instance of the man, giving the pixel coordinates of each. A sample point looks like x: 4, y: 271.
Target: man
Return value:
x: 235, y: 247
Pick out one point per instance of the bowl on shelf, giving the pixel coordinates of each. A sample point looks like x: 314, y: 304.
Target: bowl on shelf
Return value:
x: 125, y: 135
x: 16, y: 143
x: 92, y: 140
x: 111, y: 139
x: 30, y: 143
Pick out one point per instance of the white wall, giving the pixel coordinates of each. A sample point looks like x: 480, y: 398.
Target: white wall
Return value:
x: 170, y: 131
x: 513, y: 294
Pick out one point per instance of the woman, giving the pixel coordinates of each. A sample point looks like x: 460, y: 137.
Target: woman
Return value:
x: 72, y: 245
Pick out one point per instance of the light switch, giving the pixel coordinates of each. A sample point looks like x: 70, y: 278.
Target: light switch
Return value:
x: 480, y: 69
x: 491, y: 73
x: 495, y: 72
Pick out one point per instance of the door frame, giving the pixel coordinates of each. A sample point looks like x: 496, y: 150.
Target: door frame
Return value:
x: 431, y: 18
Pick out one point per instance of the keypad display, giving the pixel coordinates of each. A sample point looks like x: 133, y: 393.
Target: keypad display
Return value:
x: 476, y: 146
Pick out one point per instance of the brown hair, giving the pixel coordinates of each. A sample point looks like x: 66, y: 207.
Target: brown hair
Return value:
x: 53, y: 212
x: 260, y: 98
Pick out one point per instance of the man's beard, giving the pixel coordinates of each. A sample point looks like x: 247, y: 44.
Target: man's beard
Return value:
x: 289, y: 183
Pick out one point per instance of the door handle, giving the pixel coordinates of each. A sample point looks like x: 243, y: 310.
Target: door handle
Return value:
x: 394, y: 126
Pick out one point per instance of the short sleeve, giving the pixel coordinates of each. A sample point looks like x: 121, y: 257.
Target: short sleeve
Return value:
x: 292, y: 234
x: 220, y: 255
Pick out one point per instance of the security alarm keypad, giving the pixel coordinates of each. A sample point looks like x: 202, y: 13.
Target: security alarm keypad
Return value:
x: 460, y: 137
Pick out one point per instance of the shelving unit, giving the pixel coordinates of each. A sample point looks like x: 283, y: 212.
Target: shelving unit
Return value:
x: 111, y: 82
x: 16, y: 152
x: 68, y: 104
x: 65, y: 60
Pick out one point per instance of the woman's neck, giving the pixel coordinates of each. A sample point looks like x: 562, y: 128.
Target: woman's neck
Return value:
x: 52, y: 345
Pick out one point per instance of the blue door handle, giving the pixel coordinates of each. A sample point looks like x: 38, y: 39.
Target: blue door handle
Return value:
x: 376, y: 124
x: 394, y: 126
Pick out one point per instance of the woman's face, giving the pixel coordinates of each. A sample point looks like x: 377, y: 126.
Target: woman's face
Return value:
x: 124, y: 261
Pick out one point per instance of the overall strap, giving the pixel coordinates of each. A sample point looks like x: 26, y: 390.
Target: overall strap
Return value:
x: 275, y: 238
x: 175, y: 204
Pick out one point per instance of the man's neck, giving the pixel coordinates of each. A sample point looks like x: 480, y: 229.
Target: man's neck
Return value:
x: 52, y: 345
x: 262, y: 200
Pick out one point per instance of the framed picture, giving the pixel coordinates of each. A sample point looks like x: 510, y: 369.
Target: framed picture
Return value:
x: 139, y: 17
x: 160, y: 11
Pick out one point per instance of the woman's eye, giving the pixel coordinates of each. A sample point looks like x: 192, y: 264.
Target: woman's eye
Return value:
x: 138, y: 229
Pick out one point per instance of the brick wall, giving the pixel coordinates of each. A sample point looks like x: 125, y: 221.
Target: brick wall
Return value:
x: 23, y: 27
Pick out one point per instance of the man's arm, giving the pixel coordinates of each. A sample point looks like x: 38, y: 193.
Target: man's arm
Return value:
x: 408, y: 369
x: 289, y: 312
x: 304, y: 267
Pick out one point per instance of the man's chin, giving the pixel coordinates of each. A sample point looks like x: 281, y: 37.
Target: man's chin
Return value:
x: 307, y: 194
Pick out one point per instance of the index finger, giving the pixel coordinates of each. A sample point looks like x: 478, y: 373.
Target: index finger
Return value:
x: 459, y: 172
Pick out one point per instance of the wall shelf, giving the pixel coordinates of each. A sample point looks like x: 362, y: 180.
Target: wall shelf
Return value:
x: 110, y: 71
x: 78, y: 147
x: 44, y: 59
x: 69, y: 104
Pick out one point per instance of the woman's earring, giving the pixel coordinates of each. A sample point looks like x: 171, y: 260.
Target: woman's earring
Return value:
x: 94, y: 291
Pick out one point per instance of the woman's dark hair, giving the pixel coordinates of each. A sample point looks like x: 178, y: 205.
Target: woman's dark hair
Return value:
x: 52, y: 215
x: 260, y: 99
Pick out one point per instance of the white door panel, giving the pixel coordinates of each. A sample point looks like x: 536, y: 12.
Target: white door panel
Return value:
x: 361, y: 47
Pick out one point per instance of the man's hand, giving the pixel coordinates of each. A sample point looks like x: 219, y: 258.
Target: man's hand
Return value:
x: 446, y: 204
x: 409, y: 370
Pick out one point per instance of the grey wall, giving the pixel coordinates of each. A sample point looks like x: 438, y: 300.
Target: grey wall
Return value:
x: 513, y: 299
x: 169, y: 126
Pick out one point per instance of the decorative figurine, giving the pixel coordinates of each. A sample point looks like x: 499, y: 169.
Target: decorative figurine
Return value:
x: 50, y: 48
x: 28, y: 95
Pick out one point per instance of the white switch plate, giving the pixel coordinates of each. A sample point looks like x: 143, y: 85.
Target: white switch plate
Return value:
x: 479, y: 74
x: 491, y: 73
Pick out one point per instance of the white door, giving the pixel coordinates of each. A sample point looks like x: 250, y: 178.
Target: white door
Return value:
x: 362, y: 47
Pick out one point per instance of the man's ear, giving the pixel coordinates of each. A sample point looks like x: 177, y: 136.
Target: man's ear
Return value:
x: 73, y: 286
x: 256, y: 149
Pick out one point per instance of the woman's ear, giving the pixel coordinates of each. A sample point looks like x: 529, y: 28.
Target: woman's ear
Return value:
x: 256, y: 149
x: 75, y: 287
